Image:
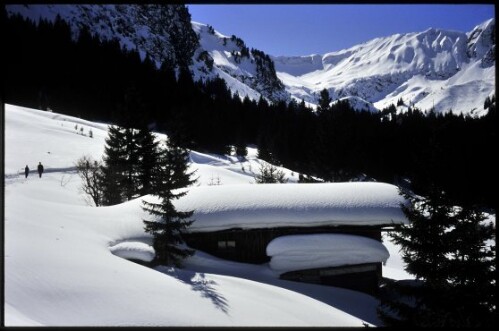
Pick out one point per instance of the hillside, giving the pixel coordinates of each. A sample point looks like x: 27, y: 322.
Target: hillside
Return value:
x: 60, y: 269
x: 247, y: 72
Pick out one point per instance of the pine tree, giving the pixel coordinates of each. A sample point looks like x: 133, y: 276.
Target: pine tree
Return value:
x: 148, y: 160
x: 472, y: 269
x: 131, y: 161
x: 170, y: 224
x: 269, y: 174
x: 324, y: 101
x: 179, y: 158
x: 121, y: 166
x: 241, y: 149
x: 449, y: 251
x: 487, y: 103
x: 113, y: 169
x: 263, y: 151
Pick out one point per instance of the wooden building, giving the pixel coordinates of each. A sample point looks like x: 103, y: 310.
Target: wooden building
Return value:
x: 249, y: 245
x: 238, y: 222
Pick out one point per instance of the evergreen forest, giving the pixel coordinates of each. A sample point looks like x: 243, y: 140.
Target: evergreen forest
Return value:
x: 45, y: 67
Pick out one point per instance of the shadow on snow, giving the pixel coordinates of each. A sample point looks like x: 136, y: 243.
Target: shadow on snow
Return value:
x: 199, y: 283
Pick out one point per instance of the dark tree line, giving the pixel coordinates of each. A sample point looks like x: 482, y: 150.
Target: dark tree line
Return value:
x: 92, y: 78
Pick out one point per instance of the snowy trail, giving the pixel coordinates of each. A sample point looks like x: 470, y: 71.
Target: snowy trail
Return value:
x: 33, y: 172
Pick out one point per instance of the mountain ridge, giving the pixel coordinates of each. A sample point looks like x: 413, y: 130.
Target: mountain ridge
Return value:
x: 380, y: 70
x: 434, y: 69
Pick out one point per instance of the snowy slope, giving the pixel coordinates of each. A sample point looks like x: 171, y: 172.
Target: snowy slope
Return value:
x: 225, y: 65
x: 64, y: 260
x: 444, y: 69
x: 247, y: 74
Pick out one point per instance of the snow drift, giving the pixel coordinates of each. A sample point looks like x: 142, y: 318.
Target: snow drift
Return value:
x: 300, y: 252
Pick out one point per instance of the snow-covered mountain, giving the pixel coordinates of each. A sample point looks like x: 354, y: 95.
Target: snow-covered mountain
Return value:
x: 162, y: 32
x: 165, y: 33
x: 444, y: 70
x: 248, y: 72
x: 447, y: 70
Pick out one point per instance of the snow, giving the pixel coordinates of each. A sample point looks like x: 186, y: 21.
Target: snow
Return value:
x: 456, y: 70
x: 239, y: 75
x: 394, y: 266
x: 50, y: 138
x: 66, y: 262
x: 135, y: 250
x: 298, y: 65
x: 358, y: 104
x: 224, y: 207
x: 300, y: 252
x: 457, y: 73
x: 459, y: 93
x: 214, y: 169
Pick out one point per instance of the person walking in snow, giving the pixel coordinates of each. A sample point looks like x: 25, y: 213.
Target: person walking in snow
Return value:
x: 26, y: 171
x: 40, y: 169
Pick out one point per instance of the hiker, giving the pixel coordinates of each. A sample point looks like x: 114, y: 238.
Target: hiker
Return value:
x: 40, y: 169
x: 26, y: 171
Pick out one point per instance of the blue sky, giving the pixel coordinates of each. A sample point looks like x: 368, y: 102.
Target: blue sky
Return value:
x: 318, y: 29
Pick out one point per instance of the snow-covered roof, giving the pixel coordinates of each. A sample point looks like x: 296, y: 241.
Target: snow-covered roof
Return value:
x: 300, y: 252
x: 304, y: 205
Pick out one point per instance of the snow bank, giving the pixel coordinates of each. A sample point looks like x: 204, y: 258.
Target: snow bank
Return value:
x: 133, y: 250
x: 300, y: 252
x: 278, y: 205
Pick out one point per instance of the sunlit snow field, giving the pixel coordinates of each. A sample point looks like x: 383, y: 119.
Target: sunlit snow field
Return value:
x: 60, y: 269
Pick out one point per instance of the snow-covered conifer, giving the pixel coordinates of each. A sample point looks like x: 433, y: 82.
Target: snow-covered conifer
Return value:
x: 170, y: 223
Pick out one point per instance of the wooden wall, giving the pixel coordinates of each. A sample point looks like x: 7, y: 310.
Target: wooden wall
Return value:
x: 251, y: 244
x: 359, y: 277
